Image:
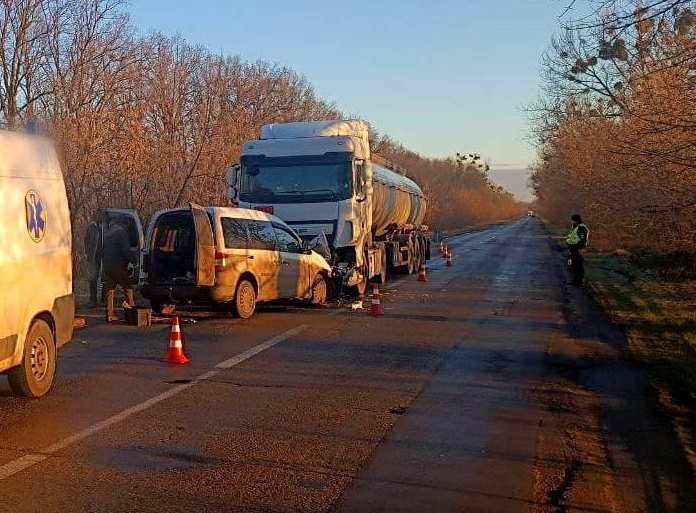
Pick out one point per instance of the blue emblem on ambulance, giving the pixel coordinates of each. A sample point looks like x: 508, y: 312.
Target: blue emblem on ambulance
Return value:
x: 36, y: 216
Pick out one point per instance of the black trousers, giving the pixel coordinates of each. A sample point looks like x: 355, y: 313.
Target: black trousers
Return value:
x: 577, y: 266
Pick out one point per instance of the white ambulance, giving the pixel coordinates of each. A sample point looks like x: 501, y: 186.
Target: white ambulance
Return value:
x: 36, y: 298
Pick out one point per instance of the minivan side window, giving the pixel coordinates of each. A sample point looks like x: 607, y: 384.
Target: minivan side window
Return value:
x: 287, y: 242
x: 261, y: 235
x: 234, y: 231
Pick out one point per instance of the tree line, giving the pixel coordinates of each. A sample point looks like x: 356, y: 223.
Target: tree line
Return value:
x: 154, y: 122
x: 615, y: 125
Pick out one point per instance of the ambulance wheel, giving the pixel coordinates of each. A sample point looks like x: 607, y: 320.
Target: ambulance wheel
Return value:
x: 244, y: 303
x: 35, y: 376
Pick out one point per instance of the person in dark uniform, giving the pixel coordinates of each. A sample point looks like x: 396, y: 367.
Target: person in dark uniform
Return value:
x: 116, y: 258
x: 93, y: 252
x: 577, y: 241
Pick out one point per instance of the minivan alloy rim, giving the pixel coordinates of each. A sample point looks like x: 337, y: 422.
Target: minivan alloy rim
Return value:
x: 319, y: 291
x: 246, y: 299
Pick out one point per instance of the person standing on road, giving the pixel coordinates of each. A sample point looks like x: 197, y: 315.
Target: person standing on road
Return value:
x: 117, y: 256
x: 577, y: 241
x: 93, y: 252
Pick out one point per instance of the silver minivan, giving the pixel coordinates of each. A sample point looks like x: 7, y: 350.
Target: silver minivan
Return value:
x: 229, y: 257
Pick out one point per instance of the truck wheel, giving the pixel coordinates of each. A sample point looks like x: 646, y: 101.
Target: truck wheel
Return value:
x: 319, y: 290
x: 244, y: 300
x: 359, y: 289
x: 34, y: 377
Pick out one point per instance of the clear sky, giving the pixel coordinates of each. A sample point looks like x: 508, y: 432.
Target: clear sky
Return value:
x: 441, y: 76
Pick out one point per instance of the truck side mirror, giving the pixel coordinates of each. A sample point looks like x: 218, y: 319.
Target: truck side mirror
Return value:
x: 360, y: 181
x: 233, y: 176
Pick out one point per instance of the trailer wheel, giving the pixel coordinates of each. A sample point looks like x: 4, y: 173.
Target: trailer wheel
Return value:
x: 412, y: 257
x: 35, y: 376
x: 419, y: 256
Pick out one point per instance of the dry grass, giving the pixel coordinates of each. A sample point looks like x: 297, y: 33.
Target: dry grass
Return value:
x: 659, y: 317
x: 657, y: 314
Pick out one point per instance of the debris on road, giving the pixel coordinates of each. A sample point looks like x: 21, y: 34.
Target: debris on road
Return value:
x: 357, y: 305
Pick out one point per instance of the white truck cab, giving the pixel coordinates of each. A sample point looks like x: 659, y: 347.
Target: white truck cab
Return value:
x: 36, y: 301
x: 321, y: 177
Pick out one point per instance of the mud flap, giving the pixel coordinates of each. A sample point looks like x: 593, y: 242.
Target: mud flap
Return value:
x: 205, y: 247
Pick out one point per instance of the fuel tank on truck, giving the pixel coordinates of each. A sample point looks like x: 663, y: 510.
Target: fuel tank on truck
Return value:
x: 395, y: 200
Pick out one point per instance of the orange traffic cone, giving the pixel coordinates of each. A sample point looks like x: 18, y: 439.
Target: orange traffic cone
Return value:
x: 175, y: 353
x: 375, y: 305
x: 448, y: 259
x: 442, y: 247
x: 423, y: 273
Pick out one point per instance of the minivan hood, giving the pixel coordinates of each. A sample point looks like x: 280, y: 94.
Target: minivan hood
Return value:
x: 320, y: 262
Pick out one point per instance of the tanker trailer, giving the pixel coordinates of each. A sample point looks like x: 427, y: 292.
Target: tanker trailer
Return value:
x: 320, y: 177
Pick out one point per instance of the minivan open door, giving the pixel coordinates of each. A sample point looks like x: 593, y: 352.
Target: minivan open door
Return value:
x: 205, y: 247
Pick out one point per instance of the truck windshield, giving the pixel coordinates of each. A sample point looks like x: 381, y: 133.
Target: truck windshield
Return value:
x: 296, y: 183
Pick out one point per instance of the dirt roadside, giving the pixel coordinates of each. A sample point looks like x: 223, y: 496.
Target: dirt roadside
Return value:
x: 607, y: 443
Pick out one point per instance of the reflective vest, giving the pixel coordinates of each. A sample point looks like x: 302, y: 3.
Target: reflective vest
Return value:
x: 573, y: 237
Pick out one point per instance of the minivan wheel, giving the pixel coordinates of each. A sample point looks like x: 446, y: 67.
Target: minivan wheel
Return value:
x: 34, y: 377
x: 319, y: 290
x: 244, y: 300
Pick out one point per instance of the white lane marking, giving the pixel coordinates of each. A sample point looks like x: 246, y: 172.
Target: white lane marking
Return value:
x: 99, y: 426
x: 20, y: 464
x: 29, y: 460
x: 235, y: 360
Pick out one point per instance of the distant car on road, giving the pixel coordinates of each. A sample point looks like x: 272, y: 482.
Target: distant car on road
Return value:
x: 531, y: 213
x: 226, y: 256
x: 37, y: 305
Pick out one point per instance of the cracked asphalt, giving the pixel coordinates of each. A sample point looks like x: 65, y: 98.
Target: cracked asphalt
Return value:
x: 491, y: 388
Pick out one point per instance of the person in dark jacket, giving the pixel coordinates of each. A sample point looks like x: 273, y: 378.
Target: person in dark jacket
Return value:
x: 576, y: 242
x: 116, y: 259
x: 93, y: 252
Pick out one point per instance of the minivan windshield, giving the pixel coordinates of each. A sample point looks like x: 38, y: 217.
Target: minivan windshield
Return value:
x: 296, y: 183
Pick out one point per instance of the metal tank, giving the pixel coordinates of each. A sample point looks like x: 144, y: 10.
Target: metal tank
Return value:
x: 395, y: 200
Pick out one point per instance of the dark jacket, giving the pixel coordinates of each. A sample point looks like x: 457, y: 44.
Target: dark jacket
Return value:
x: 117, y: 252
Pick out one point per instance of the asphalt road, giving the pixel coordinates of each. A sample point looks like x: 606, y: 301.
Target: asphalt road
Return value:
x: 491, y: 388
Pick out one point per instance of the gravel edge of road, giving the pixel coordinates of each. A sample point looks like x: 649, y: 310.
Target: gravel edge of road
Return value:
x: 657, y: 400
x: 682, y: 417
